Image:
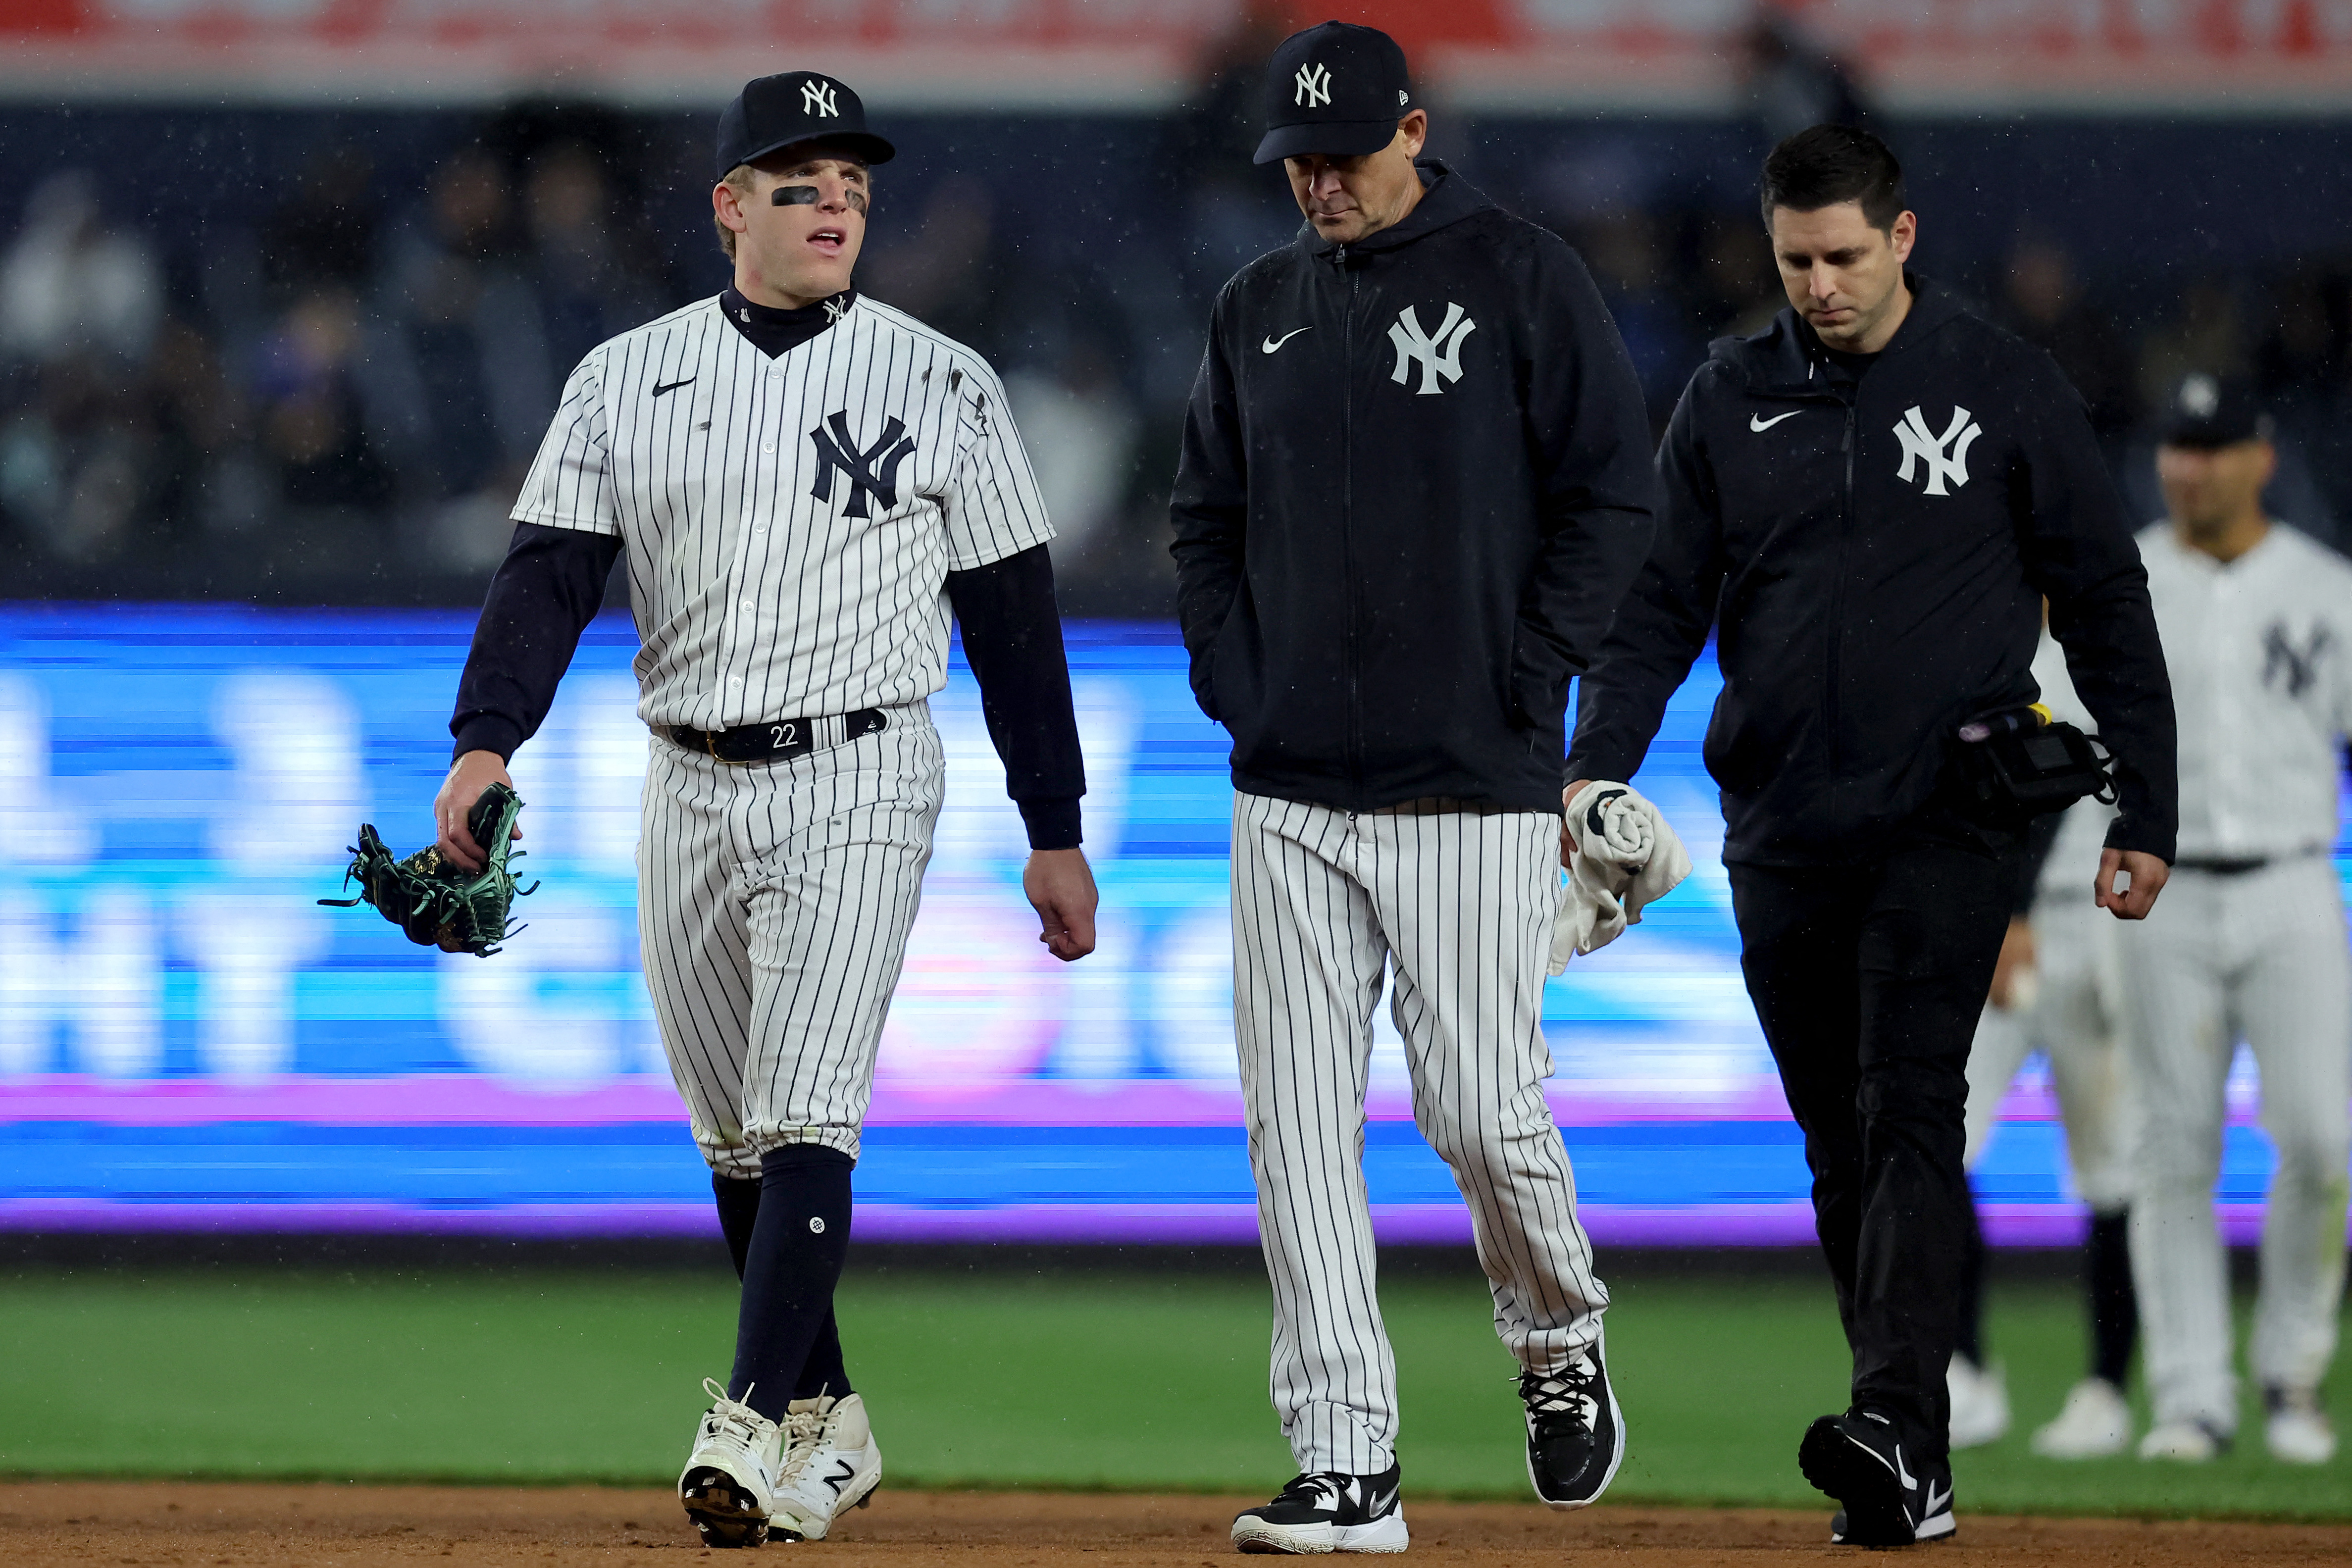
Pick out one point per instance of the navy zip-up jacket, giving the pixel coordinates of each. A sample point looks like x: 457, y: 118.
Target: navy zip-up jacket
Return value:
x: 1873, y: 554
x: 1415, y: 482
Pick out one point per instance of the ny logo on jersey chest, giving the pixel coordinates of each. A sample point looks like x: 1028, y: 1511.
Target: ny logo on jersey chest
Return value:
x: 871, y: 471
x: 2286, y: 665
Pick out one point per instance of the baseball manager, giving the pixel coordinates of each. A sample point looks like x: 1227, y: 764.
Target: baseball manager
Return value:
x: 1414, y: 482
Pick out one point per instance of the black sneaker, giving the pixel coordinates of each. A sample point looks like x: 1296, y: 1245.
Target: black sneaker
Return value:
x: 1327, y: 1512
x: 1576, y: 1435
x: 1892, y: 1497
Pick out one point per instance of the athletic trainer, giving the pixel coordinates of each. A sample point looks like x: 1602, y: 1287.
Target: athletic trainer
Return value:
x: 1865, y: 502
x: 1415, y: 480
x: 803, y: 482
x: 2250, y: 945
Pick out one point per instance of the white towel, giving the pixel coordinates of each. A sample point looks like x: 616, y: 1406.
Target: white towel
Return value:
x: 1626, y: 857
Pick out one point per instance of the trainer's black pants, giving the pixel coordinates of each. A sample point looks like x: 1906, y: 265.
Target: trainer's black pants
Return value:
x: 1868, y: 979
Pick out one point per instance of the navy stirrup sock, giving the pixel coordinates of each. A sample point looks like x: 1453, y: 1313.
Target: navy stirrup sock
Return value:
x: 739, y: 1210
x: 797, y: 1245
x: 2114, y: 1309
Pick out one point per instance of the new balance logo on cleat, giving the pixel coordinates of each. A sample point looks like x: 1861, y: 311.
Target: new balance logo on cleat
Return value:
x: 1327, y: 1512
x: 831, y: 1465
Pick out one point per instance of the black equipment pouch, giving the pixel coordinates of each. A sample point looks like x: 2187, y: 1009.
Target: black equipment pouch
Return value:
x: 2018, y: 764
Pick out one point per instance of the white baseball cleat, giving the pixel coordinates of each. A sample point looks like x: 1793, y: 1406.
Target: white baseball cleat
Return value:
x: 2298, y: 1431
x: 1979, y: 1403
x: 831, y: 1465
x: 728, y: 1482
x: 2183, y: 1442
x: 2094, y: 1422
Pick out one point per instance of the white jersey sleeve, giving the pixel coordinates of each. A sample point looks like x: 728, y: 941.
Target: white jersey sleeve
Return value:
x: 991, y: 507
x: 571, y: 481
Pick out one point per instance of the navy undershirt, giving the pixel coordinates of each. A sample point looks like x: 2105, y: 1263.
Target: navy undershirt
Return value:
x: 552, y: 584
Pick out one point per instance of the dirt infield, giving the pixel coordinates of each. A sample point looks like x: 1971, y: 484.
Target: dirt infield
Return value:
x: 205, y: 1525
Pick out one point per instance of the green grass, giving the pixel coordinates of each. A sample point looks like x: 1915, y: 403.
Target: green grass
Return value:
x: 1149, y: 1380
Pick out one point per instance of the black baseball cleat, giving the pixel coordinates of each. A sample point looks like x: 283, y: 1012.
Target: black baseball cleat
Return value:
x: 1576, y: 1435
x: 1892, y: 1497
x: 1327, y: 1512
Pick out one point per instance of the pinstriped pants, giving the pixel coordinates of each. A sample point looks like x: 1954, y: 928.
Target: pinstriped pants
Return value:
x: 2260, y: 957
x: 1462, y: 904
x: 773, y: 907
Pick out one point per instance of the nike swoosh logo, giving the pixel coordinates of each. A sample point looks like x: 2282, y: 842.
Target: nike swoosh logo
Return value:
x: 1936, y: 1502
x: 1763, y: 425
x: 1900, y: 1474
x: 1271, y: 344
x: 673, y: 386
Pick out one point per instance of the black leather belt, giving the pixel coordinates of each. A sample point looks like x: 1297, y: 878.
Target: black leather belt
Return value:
x: 778, y: 740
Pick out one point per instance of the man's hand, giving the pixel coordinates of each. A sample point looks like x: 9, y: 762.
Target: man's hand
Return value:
x: 468, y: 777
x: 2148, y: 875
x: 1061, y: 889
x: 2016, y: 959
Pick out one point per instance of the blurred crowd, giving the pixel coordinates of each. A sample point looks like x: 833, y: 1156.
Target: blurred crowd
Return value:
x: 335, y: 402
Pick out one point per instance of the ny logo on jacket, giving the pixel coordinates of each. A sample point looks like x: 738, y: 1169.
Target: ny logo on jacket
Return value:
x: 1438, y: 355
x: 1920, y: 445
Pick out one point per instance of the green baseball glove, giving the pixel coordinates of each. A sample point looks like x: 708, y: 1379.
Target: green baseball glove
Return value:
x: 436, y: 902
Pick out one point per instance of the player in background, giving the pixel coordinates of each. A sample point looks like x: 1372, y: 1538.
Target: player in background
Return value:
x: 2055, y: 991
x: 2250, y: 942
x: 803, y: 482
x: 1415, y: 480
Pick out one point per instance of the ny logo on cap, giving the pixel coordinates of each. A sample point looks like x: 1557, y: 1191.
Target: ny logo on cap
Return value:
x: 1314, y: 86
x: 817, y: 98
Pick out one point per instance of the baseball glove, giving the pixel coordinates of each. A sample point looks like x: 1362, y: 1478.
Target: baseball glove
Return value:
x: 439, y: 905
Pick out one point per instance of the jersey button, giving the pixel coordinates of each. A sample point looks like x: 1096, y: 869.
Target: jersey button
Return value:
x: 747, y: 604
x: 771, y: 446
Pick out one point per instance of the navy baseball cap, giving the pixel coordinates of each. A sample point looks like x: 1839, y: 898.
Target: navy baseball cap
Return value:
x: 798, y: 106
x: 1336, y: 89
x: 2206, y: 410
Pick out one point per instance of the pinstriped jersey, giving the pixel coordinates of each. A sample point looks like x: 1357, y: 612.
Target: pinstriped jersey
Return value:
x: 789, y: 523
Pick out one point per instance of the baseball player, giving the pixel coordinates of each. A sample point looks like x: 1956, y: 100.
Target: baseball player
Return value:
x: 1867, y: 503
x: 802, y: 482
x: 2056, y: 991
x: 2257, y: 623
x: 1414, y: 481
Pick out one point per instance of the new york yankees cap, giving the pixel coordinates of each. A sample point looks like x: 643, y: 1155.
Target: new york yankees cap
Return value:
x: 797, y: 106
x: 2206, y: 410
x: 1338, y: 89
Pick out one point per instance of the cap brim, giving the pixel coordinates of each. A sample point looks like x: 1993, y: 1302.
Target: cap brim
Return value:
x: 2208, y: 437
x: 1332, y: 138
x: 863, y: 145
